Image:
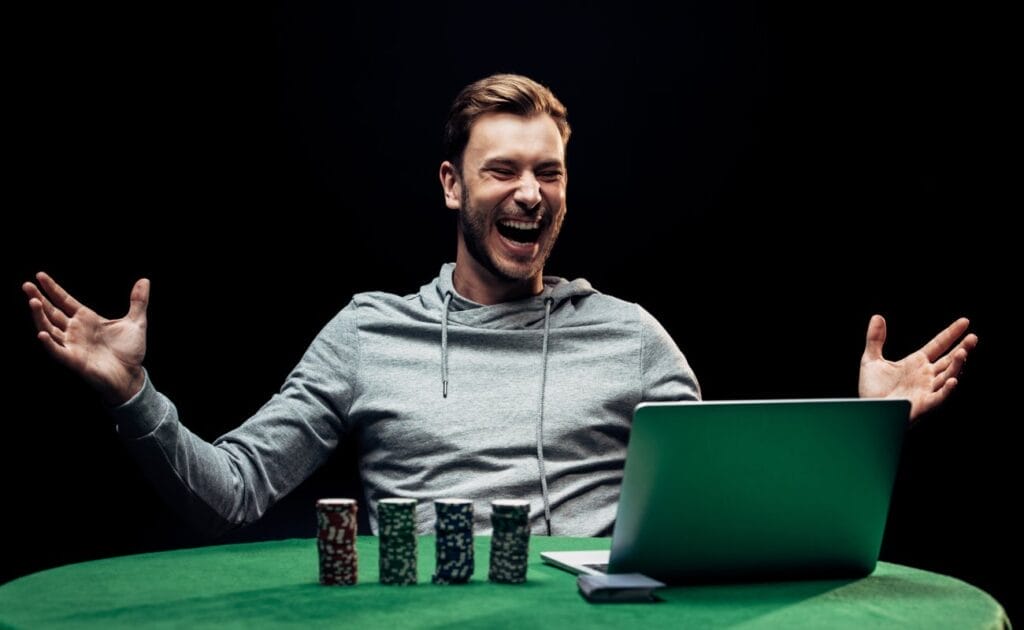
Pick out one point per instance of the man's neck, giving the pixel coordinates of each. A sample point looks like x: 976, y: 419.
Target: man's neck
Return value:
x: 475, y: 283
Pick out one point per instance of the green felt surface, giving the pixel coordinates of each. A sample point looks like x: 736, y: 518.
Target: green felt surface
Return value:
x: 270, y: 584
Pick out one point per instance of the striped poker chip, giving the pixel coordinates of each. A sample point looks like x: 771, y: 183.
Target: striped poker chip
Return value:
x: 454, y: 529
x: 510, y: 541
x: 336, y: 541
x: 396, y: 521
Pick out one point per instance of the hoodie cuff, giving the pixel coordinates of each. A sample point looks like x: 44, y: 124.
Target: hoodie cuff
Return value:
x: 142, y: 413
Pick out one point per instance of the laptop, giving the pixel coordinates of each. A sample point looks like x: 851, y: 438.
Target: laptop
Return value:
x: 752, y: 490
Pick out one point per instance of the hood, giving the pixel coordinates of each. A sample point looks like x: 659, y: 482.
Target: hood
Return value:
x: 519, y: 314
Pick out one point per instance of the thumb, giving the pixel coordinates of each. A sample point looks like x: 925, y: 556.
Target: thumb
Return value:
x: 139, y: 300
x: 875, y: 338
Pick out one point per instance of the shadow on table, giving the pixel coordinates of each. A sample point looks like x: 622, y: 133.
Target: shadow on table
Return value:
x: 730, y: 604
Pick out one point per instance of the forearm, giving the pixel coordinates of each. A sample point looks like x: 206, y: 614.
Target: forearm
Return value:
x: 233, y: 481
x: 196, y: 478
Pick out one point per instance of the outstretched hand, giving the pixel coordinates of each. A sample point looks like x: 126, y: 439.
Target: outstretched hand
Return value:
x: 925, y: 377
x: 107, y: 353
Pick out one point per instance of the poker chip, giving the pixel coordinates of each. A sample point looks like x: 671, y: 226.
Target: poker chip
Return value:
x: 396, y: 519
x: 336, y: 541
x: 510, y: 541
x: 454, y: 550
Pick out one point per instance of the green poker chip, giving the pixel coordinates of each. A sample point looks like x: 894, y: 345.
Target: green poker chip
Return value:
x: 396, y: 522
x: 510, y: 541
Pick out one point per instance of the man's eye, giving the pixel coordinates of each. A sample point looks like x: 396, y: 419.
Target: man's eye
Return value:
x: 551, y: 175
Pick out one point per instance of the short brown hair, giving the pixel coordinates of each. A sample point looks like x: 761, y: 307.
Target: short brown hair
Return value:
x: 505, y: 93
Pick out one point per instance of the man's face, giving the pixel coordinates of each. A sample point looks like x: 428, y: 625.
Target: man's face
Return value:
x: 511, y: 200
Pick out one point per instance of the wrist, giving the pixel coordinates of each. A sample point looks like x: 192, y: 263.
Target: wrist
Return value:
x: 125, y: 390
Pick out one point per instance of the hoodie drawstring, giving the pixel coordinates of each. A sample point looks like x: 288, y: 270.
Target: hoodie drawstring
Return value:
x: 444, y: 344
x: 543, y: 384
x: 540, y: 417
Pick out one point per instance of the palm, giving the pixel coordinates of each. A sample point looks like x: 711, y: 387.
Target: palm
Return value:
x: 106, y: 353
x: 100, y: 349
x: 897, y: 379
x: 925, y: 377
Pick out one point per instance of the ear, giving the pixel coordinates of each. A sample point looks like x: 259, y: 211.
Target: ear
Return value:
x: 452, y: 185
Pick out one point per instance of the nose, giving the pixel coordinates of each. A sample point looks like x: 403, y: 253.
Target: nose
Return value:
x: 528, y: 193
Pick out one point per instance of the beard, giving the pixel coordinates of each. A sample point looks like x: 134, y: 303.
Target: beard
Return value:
x: 475, y: 224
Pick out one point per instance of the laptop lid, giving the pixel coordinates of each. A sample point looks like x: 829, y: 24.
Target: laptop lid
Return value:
x: 785, y: 489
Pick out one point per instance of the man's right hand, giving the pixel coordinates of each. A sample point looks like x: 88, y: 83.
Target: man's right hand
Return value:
x: 107, y: 353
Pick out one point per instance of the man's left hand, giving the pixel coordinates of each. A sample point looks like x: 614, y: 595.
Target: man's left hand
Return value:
x: 925, y: 377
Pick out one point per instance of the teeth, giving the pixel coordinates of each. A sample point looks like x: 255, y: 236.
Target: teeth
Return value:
x: 521, y: 225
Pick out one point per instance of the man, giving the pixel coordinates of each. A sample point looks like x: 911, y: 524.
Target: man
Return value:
x: 493, y: 381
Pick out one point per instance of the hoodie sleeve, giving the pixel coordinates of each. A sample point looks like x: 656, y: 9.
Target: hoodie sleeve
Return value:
x: 234, y: 480
x: 665, y: 375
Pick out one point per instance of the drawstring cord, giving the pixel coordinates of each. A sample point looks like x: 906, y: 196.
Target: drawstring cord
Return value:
x: 444, y: 344
x: 543, y: 385
x: 540, y: 419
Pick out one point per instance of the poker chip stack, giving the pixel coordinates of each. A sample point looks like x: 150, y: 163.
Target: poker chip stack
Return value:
x: 510, y: 541
x: 336, y: 541
x: 454, y: 529
x: 397, y: 524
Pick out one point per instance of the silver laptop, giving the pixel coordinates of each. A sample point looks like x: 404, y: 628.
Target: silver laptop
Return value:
x: 753, y: 490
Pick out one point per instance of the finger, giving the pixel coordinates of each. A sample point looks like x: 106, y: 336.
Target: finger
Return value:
x: 54, y: 314
x: 875, y: 337
x: 934, y: 399
x: 43, y: 324
x: 942, y: 393
x: 960, y: 352
x: 942, y: 341
x: 56, y: 350
x: 60, y: 298
x: 969, y: 343
x: 955, y: 363
x: 139, y: 300
x: 941, y: 366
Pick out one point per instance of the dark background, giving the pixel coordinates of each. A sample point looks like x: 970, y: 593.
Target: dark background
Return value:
x: 762, y: 179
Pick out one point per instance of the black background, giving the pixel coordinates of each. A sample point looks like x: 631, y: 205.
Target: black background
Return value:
x: 762, y: 179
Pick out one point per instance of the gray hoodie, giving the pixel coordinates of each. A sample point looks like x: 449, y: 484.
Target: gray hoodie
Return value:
x: 529, y: 399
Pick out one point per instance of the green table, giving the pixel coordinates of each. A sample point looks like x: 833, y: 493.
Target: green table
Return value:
x: 260, y: 585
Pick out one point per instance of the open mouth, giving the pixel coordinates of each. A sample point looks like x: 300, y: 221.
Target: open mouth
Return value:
x: 519, y: 231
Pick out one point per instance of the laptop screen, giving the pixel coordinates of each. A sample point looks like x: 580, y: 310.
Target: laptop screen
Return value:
x: 722, y: 491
